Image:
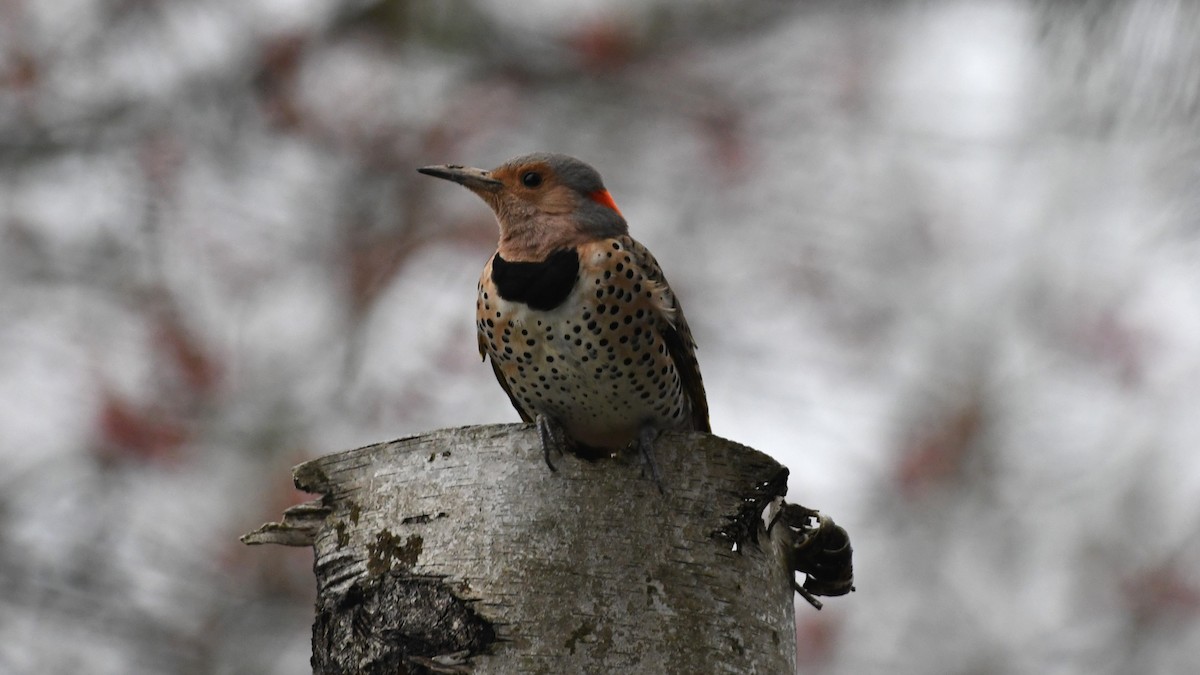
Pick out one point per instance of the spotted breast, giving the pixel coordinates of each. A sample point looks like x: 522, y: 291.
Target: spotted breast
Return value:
x: 593, y: 338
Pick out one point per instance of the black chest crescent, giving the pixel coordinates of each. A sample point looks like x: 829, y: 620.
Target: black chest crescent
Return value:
x: 541, y: 285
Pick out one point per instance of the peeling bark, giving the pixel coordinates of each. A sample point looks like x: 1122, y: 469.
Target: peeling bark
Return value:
x: 457, y: 551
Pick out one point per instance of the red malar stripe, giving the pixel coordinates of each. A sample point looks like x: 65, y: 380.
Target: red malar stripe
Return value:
x: 603, y: 197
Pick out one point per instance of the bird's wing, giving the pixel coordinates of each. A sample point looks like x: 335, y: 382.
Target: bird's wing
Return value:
x: 508, y: 390
x: 678, y: 337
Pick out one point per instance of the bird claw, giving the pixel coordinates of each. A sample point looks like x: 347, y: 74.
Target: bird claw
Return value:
x: 550, y: 435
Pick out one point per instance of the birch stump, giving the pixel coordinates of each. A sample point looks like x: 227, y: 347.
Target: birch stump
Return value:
x: 459, y: 551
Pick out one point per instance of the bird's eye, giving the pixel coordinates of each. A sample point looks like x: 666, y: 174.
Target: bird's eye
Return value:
x: 531, y: 179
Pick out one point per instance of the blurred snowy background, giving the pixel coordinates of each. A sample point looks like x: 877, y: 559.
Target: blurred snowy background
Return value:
x: 942, y: 259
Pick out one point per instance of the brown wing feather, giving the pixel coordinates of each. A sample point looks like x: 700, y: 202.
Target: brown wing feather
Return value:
x: 504, y: 383
x: 677, y: 335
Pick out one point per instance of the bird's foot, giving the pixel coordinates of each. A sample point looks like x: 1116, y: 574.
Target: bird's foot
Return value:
x: 645, y: 443
x: 550, y: 433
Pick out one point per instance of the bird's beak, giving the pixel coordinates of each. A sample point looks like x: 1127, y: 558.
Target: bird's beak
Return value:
x: 477, y: 180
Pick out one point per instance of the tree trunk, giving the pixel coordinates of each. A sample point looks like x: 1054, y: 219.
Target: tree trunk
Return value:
x: 459, y: 551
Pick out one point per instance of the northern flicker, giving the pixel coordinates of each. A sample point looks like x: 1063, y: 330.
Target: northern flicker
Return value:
x: 583, y: 332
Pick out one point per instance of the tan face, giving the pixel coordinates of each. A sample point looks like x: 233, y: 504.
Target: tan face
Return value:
x: 529, y: 189
x: 536, y: 206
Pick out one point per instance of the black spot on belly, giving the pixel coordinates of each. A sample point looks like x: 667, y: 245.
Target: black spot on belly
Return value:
x: 541, y: 285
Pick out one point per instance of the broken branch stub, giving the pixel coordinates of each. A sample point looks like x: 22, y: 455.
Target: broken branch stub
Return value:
x: 457, y: 551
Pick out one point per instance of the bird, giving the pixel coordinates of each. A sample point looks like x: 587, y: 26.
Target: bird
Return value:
x: 583, y: 332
